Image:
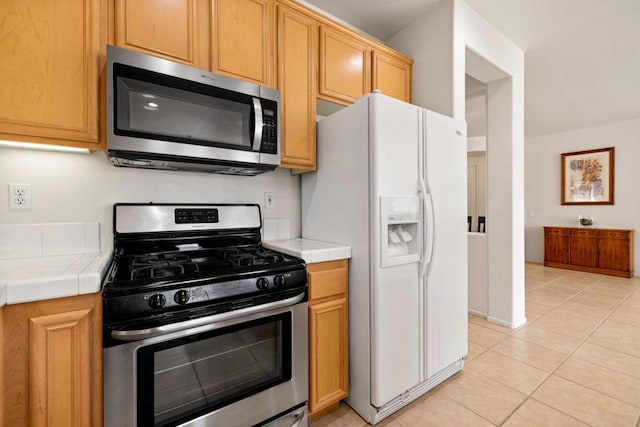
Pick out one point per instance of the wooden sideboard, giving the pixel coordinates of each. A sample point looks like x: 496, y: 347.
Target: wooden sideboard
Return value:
x: 596, y: 250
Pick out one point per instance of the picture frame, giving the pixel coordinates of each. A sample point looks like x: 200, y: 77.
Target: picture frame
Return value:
x: 588, y: 177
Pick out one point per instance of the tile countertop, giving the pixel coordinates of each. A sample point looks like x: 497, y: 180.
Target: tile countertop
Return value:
x: 310, y: 250
x: 41, y: 278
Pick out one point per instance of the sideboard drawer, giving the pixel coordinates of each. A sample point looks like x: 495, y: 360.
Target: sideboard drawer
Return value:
x: 615, y: 234
x: 558, y: 231
x: 584, y: 233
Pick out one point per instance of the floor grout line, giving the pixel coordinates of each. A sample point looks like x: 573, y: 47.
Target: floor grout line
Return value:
x: 530, y: 396
x: 581, y: 341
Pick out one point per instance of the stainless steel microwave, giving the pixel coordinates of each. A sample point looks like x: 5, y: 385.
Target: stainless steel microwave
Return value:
x: 165, y: 115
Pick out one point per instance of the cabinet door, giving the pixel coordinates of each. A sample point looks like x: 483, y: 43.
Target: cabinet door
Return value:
x: 53, y: 363
x: 243, y: 40
x: 556, y: 246
x: 297, y: 47
x: 174, y: 30
x: 52, y: 53
x: 584, y: 248
x: 614, y: 250
x: 328, y: 367
x: 392, y: 76
x: 345, y: 73
x: 60, y: 355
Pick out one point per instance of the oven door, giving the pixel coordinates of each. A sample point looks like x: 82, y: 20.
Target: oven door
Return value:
x: 239, y: 372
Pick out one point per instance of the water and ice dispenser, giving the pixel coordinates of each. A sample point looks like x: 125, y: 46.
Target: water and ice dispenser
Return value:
x: 401, y: 230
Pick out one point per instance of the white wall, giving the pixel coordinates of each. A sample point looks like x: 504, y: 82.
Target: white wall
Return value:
x: 70, y: 187
x: 429, y: 41
x: 542, y: 180
x: 440, y: 42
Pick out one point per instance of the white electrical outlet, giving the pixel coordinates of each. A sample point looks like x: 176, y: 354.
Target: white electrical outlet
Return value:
x: 19, y: 196
x: 268, y: 200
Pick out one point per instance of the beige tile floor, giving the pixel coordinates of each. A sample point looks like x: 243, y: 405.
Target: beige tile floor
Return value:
x: 575, y: 363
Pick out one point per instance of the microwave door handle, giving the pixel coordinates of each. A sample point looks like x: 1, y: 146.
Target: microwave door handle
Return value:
x: 257, y: 132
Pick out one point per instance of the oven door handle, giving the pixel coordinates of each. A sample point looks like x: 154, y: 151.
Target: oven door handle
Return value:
x: 140, y: 334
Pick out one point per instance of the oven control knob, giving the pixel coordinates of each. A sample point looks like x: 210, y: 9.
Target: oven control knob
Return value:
x: 157, y: 301
x: 181, y: 297
x: 262, y: 283
x: 279, y: 280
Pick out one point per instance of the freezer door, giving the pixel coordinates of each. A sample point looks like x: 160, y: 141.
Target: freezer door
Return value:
x: 394, y: 140
x: 445, y: 295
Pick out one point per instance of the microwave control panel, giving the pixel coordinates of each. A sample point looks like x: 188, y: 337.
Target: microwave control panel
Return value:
x: 269, y: 128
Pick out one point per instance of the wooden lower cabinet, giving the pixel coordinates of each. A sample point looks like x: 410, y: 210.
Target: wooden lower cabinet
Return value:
x: 584, y: 248
x: 328, y: 335
x: 556, y: 245
x: 52, y: 367
x: 594, y: 250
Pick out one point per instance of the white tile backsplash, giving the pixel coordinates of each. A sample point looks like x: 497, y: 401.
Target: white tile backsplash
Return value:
x: 20, y: 240
x: 92, y: 237
x: 62, y: 239
x: 269, y: 229
x: 276, y: 229
x: 284, y: 228
x: 45, y: 240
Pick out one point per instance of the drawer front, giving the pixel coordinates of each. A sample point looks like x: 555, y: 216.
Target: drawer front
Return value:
x: 614, y: 234
x: 585, y: 233
x: 557, y: 231
x: 327, y: 279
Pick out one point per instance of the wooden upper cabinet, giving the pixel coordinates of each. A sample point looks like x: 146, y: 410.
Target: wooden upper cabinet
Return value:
x: 175, y: 30
x: 297, y: 82
x: 344, y: 66
x: 391, y: 74
x: 243, y: 39
x: 52, y: 54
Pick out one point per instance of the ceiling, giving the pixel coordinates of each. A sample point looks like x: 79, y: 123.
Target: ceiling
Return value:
x: 582, y: 57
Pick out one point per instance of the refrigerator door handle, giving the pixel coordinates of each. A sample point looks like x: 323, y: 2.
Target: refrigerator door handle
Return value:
x: 429, y: 227
x: 428, y: 240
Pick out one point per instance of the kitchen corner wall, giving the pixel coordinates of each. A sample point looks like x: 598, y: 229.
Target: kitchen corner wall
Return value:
x: 542, y: 183
x: 70, y: 187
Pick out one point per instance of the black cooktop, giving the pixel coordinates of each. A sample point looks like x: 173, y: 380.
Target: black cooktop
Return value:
x: 209, y: 261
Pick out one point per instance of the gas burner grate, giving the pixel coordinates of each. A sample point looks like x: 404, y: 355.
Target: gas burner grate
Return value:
x: 161, y: 266
x: 247, y: 257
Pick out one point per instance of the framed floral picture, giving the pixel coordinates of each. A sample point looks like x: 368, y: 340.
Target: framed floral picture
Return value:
x: 587, y: 177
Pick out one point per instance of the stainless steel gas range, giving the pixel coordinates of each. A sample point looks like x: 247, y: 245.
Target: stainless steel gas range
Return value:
x: 202, y: 325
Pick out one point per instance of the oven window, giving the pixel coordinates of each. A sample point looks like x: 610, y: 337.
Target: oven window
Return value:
x: 184, y: 378
x: 167, y: 108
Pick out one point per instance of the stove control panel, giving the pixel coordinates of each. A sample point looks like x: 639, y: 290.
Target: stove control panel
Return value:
x: 196, y: 216
x: 182, y: 297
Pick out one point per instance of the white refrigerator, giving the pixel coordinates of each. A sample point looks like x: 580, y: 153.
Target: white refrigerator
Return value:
x: 391, y: 184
